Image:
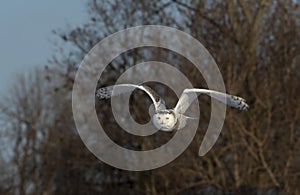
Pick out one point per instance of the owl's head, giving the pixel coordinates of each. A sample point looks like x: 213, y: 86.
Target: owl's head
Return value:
x: 164, y: 120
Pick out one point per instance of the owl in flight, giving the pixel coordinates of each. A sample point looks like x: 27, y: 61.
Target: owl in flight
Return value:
x: 172, y: 119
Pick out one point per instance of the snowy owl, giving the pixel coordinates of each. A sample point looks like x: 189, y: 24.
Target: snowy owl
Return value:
x: 172, y: 119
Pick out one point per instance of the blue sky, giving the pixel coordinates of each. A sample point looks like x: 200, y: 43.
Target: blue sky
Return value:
x: 25, y: 33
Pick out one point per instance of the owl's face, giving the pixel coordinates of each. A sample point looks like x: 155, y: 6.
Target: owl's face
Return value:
x: 164, y: 120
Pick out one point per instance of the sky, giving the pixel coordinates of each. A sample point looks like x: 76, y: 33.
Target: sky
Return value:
x: 26, y: 38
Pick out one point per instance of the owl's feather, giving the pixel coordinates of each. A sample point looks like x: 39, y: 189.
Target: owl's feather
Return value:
x: 115, y: 90
x: 189, y: 95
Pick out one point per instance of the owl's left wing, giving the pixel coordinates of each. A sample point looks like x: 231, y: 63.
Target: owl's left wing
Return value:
x: 189, y: 95
x: 115, y: 90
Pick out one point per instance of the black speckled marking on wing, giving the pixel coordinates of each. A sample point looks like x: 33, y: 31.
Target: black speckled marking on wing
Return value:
x: 240, y: 103
x: 104, y: 93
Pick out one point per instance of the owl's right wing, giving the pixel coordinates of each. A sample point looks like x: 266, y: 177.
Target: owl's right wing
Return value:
x: 189, y: 95
x: 115, y: 90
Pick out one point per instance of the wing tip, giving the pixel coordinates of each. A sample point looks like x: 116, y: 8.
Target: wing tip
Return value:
x: 245, y: 107
x: 240, y: 103
x: 102, y: 93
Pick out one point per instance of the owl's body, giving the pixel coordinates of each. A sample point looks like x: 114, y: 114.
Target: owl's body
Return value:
x: 169, y: 119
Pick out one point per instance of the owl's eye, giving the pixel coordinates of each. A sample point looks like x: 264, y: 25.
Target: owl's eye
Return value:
x: 167, y: 118
x: 158, y: 118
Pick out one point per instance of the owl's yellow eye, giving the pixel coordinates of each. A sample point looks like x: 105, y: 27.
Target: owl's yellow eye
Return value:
x: 158, y: 118
x: 167, y: 118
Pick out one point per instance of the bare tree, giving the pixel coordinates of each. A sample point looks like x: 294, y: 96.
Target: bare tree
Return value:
x: 257, y: 152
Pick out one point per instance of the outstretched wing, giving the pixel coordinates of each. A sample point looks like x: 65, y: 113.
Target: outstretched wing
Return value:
x: 114, y: 90
x: 189, y: 95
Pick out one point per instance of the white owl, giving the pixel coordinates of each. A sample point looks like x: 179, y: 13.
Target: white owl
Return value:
x: 171, y: 119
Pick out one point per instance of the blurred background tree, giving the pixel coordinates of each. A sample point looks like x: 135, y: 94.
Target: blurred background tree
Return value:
x: 256, y: 44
